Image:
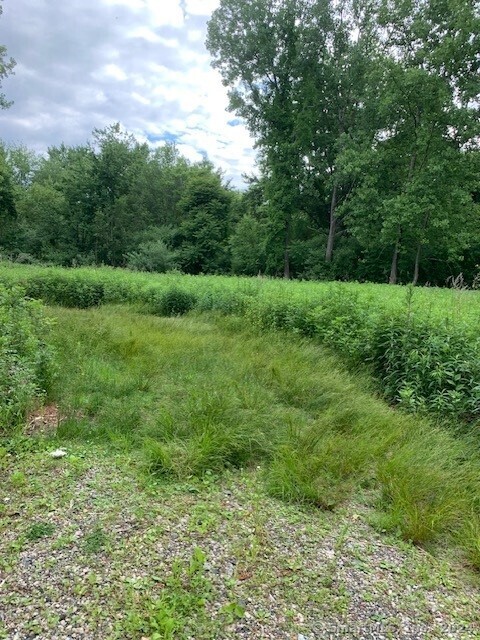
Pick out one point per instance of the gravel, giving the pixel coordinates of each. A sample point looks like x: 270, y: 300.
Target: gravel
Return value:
x: 271, y: 570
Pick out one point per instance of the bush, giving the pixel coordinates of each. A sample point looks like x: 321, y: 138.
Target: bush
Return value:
x: 426, y: 367
x: 65, y: 290
x: 153, y: 255
x: 26, y: 367
x: 172, y: 302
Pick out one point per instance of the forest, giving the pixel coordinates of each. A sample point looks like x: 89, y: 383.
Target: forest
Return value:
x: 366, y: 119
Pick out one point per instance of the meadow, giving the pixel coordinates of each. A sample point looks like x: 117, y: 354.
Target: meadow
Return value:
x: 422, y: 345
x: 191, y: 383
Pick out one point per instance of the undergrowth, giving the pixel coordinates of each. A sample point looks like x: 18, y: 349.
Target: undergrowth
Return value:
x: 26, y: 362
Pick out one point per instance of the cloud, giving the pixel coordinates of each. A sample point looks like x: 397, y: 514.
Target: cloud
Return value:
x: 88, y: 63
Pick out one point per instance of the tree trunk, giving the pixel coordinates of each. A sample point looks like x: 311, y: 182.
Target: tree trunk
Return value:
x: 394, y: 268
x: 286, y: 258
x: 417, y: 264
x: 333, y: 225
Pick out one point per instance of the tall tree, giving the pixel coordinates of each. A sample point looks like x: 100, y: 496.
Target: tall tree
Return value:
x: 426, y: 112
x: 6, y: 68
x: 8, y: 210
x: 339, y: 47
x: 202, y: 236
x: 254, y: 46
x: 120, y: 162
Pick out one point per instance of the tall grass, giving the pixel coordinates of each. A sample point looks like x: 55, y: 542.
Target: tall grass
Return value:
x: 26, y: 366
x: 192, y: 395
x: 423, y: 347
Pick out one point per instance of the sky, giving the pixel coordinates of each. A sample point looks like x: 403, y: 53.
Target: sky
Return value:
x: 85, y: 64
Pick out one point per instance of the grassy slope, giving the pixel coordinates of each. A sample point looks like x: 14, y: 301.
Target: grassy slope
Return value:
x: 192, y: 395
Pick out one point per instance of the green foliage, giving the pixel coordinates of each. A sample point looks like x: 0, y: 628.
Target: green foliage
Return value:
x: 40, y: 530
x: 96, y: 540
x: 196, y: 397
x: 26, y: 358
x: 424, y: 358
x: 180, y: 609
x: 68, y: 292
x: 202, y: 236
x: 248, y: 246
x: 426, y: 366
x: 171, y: 302
x: 153, y: 255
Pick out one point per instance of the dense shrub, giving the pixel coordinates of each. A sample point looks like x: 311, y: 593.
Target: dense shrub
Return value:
x: 427, y: 366
x: 66, y: 291
x: 26, y: 367
x: 153, y: 255
x: 172, y: 302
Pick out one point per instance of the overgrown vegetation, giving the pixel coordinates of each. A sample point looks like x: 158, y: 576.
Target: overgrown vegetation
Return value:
x: 421, y: 345
x: 26, y: 366
x: 196, y: 396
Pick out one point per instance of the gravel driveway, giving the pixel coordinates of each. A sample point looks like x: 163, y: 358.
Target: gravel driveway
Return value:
x: 91, y: 550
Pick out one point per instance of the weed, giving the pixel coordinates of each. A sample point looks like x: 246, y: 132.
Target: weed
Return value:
x: 40, y: 530
x: 424, y: 351
x: 172, y: 302
x: 18, y: 479
x: 96, y: 540
x: 181, y: 606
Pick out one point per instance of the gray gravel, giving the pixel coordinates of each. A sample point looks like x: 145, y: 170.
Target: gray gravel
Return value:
x: 294, y: 572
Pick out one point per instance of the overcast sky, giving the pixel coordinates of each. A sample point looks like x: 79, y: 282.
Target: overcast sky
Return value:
x: 89, y: 63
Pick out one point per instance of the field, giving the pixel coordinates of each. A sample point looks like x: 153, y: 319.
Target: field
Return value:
x: 230, y: 468
x: 455, y: 305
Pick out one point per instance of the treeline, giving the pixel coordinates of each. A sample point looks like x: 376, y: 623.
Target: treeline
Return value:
x: 114, y: 201
x: 366, y: 115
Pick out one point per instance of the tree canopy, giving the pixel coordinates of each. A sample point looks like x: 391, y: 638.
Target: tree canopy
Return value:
x: 366, y: 117
x: 6, y: 68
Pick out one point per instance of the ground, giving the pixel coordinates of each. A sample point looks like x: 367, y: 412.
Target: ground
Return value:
x: 91, y: 547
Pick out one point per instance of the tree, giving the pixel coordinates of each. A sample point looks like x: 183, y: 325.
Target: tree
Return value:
x: 425, y: 98
x: 339, y: 48
x: 43, y: 211
x: 119, y: 166
x: 6, y: 68
x: 70, y: 170
x: 202, y: 236
x: 248, y: 246
x: 254, y: 46
x: 8, y: 211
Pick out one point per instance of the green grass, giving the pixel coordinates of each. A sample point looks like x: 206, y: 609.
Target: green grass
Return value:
x: 120, y: 285
x: 421, y: 345
x: 195, y: 396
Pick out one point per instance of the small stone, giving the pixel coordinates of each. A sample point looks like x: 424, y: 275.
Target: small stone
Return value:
x: 58, y: 453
